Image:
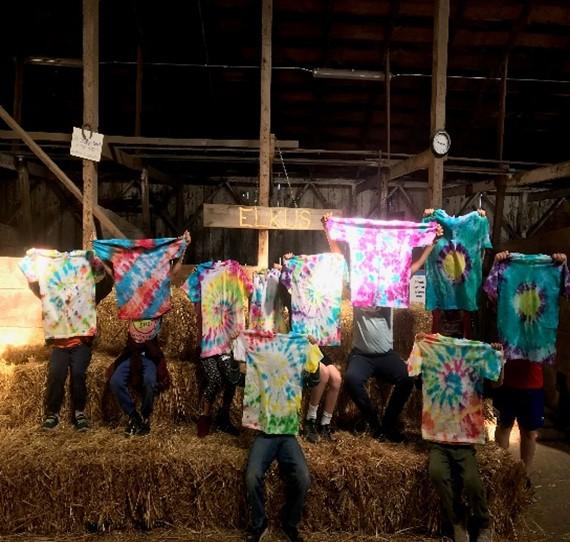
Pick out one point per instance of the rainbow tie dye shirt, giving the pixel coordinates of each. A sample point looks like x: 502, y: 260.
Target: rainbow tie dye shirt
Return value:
x: 454, y: 267
x: 141, y: 269
x: 315, y: 283
x: 222, y: 288
x: 380, y: 257
x: 453, y: 371
x: 527, y: 288
x: 273, y: 381
x: 67, y: 290
x: 264, y: 306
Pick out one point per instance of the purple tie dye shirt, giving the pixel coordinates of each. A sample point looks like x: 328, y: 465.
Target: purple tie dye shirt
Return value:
x: 380, y: 257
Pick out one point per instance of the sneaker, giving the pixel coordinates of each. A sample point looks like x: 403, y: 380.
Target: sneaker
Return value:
x: 326, y: 434
x: 460, y: 533
x: 226, y: 426
x: 257, y: 536
x: 51, y: 421
x: 292, y: 535
x: 81, y: 422
x: 485, y: 535
x: 203, y: 425
x: 393, y: 435
x: 144, y: 428
x: 134, y: 425
x: 310, y: 431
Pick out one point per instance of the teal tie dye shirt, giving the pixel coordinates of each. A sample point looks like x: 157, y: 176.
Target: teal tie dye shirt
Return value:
x: 527, y: 288
x: 454, y: 267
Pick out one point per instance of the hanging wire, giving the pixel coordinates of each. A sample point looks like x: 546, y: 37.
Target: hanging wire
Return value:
x: 287, y: 177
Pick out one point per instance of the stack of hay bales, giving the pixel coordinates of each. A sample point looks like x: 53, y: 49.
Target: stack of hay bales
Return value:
x: 64, y: 482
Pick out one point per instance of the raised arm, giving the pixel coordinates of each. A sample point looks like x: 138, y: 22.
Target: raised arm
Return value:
x: 178, y: 265
x: 418, y: 264
x: 333, y: 245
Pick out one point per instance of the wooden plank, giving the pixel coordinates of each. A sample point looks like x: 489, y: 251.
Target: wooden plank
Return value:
x: 157, y: 141
x: 90, y: 111
x: 264, y: 218
x: 25, y: 200
x: 542, y: 174
x: 438, y: 95
x: 265, y: 126
x: 57, y: 171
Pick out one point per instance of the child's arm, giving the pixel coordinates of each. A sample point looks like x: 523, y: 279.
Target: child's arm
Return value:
x: 418, y: 264
x: 499, y: 382
x: 178, y: 265
x: 333, y: 245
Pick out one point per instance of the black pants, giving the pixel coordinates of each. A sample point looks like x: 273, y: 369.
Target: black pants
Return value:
x: 388, y: 367
x: 76, y: 360
x: 220, y: 372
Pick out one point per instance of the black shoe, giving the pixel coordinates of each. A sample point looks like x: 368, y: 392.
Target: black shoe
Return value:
x: 326, y: 434
x: 81, y: 423
x: 292, y: 535
x: 51, y: 421
x: 310, y: 431
x: 257, y: 536
x: 144, y: 428
x: 393, y: 435
x: 226, y: 426
x: 134, y: 425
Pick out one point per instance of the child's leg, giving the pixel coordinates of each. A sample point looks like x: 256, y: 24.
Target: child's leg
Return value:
x: 80, y: 357
x: 317, y: 392
x: 149, y: 387
x: 466, y: 461
x: 441, y: 476
x: 504, y: 403
x: 57, y: 375
x: 331, y: 398
x: 530, y: 416
x: 119, y: 385
x: 213, y: 384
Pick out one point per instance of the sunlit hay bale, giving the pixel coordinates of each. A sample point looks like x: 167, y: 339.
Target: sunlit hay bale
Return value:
x: 178, y: 334
x: 64, y: 482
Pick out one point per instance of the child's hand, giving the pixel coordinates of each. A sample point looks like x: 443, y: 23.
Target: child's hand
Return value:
x: 312, y: 340
x: 420, y: 336
x: 428, y: 212
x: 438, y: 231
x: 277, y: 266
x: 325, y: 218
x: 559, y: 257
x: 187, y: 237
x: 502, y: 256
x: 287, y: 255
x: 497, y: 346
x: 482, y: 212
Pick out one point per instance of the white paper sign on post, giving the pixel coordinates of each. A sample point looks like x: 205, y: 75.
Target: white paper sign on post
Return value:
x: 418, y: 289
x: 86, y: 144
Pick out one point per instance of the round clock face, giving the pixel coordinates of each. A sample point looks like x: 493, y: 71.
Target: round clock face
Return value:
x: 441, y: 143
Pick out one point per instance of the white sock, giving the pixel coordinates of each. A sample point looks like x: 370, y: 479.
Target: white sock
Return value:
x: 326, y: 418
x: 312, y: 412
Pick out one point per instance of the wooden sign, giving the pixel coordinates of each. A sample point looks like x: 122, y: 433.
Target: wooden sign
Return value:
x: 86, y: 144
x: 264, y: 218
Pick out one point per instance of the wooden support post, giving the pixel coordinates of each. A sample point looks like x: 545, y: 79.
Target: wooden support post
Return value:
x: 438, y: 93
x: 57, y: 171
x: 383, y: 173
x: 145, y: 202
x: 90, y: 111
x: 25, y: 200
x: 138, y: 91
x: 265, y: 127
x: 180, y: 210
x: 501, y: 185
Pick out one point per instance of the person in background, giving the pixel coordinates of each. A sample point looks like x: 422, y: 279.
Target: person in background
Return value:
x: 142, y: 367
x: 372, y: 354
x: 521, y: 398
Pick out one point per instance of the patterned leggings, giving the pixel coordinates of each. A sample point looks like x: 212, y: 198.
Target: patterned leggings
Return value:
x: 220, y: 370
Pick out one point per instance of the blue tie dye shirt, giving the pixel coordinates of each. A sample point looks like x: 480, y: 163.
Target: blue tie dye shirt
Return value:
x: 454, y: 267
x: 527, y: 288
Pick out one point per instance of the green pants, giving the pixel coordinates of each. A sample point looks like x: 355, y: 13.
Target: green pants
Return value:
x: 453, y: 469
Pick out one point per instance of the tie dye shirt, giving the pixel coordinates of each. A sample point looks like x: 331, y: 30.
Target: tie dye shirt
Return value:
x: 141, y: 270
x: 273, y: 381
x: 380, y: 257
x: 264, y: 307
x: 315, y: 283
x: 222, y: 288
x: 453, y: 373
x: 454, y: 267
x: 527, y: 288
x: 67, y: 290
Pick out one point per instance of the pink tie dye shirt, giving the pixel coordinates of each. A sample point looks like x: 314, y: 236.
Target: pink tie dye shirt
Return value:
x: 380, y: 257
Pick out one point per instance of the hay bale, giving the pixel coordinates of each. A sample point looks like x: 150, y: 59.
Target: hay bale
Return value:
x: 62, y: 482
x: 178, y: 335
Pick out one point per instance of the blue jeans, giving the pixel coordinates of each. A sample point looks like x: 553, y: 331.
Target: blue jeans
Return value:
x: 74, y: 360
x: 293, y: 468
x: 120, y: 387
